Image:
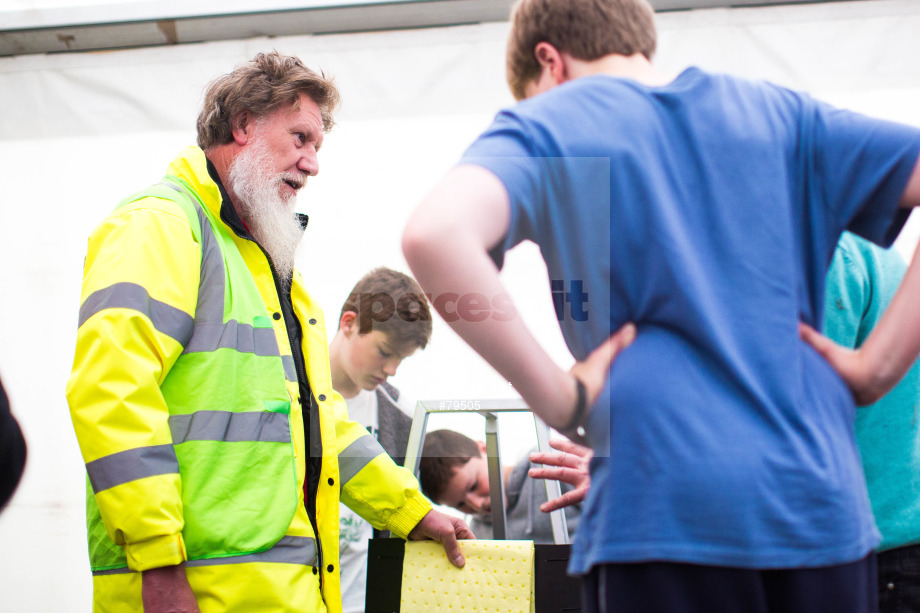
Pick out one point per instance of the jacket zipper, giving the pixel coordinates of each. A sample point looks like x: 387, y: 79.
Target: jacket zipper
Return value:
x: 306, y: 394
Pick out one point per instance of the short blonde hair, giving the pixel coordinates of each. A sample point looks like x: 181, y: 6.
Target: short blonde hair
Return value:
x: 585, y: 29
x: 259, y: 87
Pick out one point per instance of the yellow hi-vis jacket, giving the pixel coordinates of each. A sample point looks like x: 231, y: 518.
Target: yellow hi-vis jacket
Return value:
x: 189, y: 406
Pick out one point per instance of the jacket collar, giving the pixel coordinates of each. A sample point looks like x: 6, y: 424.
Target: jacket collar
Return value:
x: 193, y: 166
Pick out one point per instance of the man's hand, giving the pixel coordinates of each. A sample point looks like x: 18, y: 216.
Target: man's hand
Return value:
x: 569, y: 465
x: 445, y: 529
x: 166, y: 589
x: 851, y: 365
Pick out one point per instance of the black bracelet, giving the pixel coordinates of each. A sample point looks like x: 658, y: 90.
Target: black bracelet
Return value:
x: 581, y: 405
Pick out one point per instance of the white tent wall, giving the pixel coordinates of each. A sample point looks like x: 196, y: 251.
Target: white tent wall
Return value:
x: 79, y: 132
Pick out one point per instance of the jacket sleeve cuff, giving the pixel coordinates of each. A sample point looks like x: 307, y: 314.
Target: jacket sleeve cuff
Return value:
x: 156, y: 552
x: 403, y: 520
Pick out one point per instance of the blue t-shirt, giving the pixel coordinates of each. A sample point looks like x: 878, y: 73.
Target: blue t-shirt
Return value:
x: 861, y: 282
x: 705, y: 211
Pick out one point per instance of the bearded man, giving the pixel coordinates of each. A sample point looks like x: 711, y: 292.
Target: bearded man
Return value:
x: 216, y: 449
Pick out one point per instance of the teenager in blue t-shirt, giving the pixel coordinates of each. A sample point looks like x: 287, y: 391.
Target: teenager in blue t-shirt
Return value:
x: 704, y: 209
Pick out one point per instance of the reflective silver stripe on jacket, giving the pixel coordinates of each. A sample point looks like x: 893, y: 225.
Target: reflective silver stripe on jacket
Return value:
x: 207, y: 331
x: 169, y: 320
x: 210, y: 332
x: 206, y: 425
x: 359, y: 453
x: 289, y: 549
x: 209, y: 337
x: 290, y: 371
x: 130, y: 465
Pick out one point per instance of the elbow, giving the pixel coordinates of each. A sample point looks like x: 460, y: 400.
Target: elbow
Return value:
x: 412, y: 241
x: 417, y: 243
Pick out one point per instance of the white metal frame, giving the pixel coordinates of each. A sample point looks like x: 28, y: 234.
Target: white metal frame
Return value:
x: 488, y: 408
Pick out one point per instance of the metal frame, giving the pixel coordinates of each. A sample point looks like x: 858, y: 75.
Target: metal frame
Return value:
x: 86, y: 26
x: 488, y: 408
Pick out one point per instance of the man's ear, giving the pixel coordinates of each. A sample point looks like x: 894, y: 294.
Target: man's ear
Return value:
x: 551, y: 59
x: 482, y: 448
x: 348, y: 323
x: 241, y: 127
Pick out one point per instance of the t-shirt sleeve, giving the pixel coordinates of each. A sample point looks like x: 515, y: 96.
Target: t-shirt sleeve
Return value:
x: 863, y: 164
x: 508, y: 151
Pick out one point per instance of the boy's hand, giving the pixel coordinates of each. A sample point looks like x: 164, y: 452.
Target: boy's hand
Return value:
x: 571, y: 467
x: 592, y: 372
x: 445, y: 529
x: 850, y: 365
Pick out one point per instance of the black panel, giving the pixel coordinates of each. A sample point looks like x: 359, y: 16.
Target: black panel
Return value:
x: 554, y: 589
x: 384, y: 574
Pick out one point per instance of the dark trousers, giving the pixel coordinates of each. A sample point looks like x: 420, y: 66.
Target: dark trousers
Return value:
x: 680, y: 587
x: 899, y: 579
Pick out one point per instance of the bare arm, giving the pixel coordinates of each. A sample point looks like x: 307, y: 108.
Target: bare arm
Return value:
x: 446, y: 243
x: 166, y: 589
x: 894, y: 344
x: 911, y: 196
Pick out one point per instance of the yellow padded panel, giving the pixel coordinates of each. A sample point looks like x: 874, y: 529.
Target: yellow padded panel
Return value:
x: 498, y: 577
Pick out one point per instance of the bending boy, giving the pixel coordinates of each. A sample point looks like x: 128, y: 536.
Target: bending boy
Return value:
x: 453, y: 471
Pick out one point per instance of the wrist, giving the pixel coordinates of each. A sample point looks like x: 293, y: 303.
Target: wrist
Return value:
x: 576, y: 423
x: 163, y: 572
x: 156, y: 552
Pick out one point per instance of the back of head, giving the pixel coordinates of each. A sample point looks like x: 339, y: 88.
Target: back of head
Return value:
x: 263, y: 85
x: 444, y: 450
x: 585, y: 29
x: 393, y: 303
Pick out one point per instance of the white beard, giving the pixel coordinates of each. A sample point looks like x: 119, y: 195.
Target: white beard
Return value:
x: 269, y: 216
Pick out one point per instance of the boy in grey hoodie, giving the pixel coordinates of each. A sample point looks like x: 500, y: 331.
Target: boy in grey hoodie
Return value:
x: 454, y: 472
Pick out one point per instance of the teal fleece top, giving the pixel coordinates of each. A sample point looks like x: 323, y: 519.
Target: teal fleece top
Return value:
x: 860, y: 283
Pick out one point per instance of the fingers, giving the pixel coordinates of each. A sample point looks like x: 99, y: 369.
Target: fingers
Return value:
x: 452, y: 549
x: 445, y: 529
x: 848, y: 364
x: 449, y: 541
x: 462, y: 531
x: 570, y: 498
x: 571, y: 466
x: 622, y: 338
x: 563, y: 474
x: 822, y: 344
x: 570, y: 447
x: 604, y: 354
x: 838, y: 356
x: 556, y: 460
x: 593, y: 370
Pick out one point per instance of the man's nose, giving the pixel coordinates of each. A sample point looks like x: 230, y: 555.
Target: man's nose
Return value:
x: 309, y: 162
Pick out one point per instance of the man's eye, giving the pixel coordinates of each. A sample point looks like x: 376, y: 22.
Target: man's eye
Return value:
x: 385, y: 354
x: 301, y: 137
